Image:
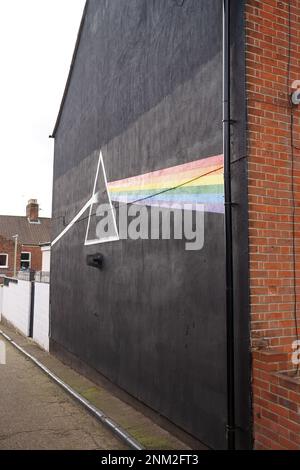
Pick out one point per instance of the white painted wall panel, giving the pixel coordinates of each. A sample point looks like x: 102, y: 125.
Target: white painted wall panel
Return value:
x: 16, y: 305
x: 41, y: 315
x: 1, y: 297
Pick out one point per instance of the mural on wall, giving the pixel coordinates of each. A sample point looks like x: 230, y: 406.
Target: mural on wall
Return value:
x: 199, y: 183
x: 156, y: 311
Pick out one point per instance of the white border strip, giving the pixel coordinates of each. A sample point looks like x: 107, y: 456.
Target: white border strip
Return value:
x: 121, y: 433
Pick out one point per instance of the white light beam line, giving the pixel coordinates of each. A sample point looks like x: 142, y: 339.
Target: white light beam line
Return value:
x: 91, y: 201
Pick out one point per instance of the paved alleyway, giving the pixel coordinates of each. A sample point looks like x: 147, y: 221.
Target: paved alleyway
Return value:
x: 35, y: 413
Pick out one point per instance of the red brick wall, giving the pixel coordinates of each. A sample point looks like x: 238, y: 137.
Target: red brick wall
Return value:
x: 269, y: 75
x: 8, y: 247
x: 36, y: 256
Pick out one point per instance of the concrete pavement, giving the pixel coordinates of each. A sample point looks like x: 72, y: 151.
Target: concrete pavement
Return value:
x: 35, y: 413
x: 151, y: 430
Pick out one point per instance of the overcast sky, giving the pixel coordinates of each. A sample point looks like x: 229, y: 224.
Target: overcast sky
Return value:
x: 37, y: 39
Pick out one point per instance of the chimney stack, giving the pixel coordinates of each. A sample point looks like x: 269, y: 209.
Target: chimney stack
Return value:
x: 32, y: 210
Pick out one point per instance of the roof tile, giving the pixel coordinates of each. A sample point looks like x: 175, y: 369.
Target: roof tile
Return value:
x: 29, y: 233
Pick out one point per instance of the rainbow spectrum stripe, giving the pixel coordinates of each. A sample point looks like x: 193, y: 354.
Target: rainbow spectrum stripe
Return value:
x: 198, y: 182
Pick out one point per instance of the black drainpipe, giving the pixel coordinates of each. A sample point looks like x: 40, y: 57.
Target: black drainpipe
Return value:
x: 230, y: 428
x: 32, y: 293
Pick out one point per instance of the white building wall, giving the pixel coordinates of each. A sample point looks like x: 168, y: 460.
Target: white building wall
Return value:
x: 46, y: 255
x: 1, y: 297
x: 41, y: 315
x: 16, y: 305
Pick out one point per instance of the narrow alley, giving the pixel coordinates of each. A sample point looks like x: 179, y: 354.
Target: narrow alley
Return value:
x: 36, y: 413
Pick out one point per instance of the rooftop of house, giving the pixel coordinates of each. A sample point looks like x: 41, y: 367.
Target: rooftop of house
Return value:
x: 31, y: 229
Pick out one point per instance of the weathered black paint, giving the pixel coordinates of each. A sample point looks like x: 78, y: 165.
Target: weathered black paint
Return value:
x: 146, y: 87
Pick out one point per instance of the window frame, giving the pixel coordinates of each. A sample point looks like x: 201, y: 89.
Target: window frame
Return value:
x: 4, y: 266
x: 25, y: 261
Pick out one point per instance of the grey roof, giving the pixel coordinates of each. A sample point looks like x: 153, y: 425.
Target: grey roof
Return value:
x: 29, y: 233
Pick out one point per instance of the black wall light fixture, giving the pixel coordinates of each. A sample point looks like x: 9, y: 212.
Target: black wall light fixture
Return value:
x: 95, y: 260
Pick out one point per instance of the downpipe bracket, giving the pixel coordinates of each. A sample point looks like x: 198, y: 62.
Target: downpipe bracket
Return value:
x: 231, y: 204
x: 230, y: 121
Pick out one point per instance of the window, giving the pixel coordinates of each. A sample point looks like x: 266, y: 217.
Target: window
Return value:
x: 25, y: 260
x: 3, y: 260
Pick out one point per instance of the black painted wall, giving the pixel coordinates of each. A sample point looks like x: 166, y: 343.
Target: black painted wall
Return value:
x: 146, y: 88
